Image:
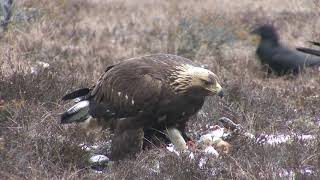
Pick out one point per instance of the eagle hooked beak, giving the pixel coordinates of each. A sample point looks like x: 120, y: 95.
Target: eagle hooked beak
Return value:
x: 217, y: 89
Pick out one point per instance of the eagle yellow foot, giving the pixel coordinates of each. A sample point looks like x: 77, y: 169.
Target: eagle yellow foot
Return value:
x: 176, y: 139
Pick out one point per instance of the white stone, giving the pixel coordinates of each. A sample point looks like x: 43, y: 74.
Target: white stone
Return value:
x: 98, y: 159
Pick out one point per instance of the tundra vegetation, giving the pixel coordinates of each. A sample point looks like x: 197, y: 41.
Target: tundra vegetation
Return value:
x: 51, y: 47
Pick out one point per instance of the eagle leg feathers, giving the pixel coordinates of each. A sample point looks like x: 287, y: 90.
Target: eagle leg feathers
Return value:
x: 126, y: 144
x: 176, y: 138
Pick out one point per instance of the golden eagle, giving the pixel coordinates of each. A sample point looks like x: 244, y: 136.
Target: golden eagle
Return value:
x: 159, y: 91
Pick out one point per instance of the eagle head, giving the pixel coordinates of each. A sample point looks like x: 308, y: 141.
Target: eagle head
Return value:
x: 198, y: 80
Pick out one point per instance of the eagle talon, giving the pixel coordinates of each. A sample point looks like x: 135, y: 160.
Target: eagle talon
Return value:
x: 191, y: 145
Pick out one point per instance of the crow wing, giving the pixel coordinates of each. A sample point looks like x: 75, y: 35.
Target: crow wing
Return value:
x: 309, y: 50
x: 291, y: 58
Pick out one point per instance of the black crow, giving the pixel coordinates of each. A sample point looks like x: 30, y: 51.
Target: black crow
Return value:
x: 278, y: 58
x: 310, y: 51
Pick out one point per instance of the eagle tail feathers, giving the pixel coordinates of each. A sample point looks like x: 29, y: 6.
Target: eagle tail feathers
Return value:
x: 80, y: 93
x: 86, y: 109
x: 77, y: 113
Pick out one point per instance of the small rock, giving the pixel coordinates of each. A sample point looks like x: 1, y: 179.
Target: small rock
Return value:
x: 99, y: 159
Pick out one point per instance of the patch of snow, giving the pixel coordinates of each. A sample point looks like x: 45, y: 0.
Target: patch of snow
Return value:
x: 40, y: 65
x: 211, y: 150
x: 34, y: 70
x: 98, y: 172
x: 202, y: 162
x: 227, y: 135
x: 307, y: 171
x: 85, y: 147
x: 249, y: 135
x: 282, y: 138
x: 156, y: 167
x: 43, y: 64
x: 317, y: 120
x: 306, y: 137
x: 277, y: 139
x: 212, y: 137
x: 191, y: 155
x: 218, y: 132
x: 203, y: 114
x: 206, y: 139
x: 88, y: 148
x: 170, y: 147
x: 287, y: 173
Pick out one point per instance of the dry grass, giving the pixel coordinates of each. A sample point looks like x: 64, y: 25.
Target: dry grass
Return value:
x: 79, y: 38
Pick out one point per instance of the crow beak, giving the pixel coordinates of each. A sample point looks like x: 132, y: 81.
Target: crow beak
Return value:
x: 255, y: 31
x: 255, y: 38
x: 243, y: 35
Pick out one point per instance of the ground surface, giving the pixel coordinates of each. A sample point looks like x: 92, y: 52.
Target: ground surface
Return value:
x: 78, y: 38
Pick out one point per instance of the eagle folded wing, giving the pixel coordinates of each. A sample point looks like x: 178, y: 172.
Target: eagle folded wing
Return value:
x: 128, y: 93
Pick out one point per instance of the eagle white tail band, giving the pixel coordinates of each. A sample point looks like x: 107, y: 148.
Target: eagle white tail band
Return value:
x: 77, y: 113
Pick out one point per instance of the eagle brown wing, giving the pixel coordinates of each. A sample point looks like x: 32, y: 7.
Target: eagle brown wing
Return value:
x: 129, y: 88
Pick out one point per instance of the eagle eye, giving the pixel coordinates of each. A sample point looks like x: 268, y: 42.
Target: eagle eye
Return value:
x: 207, y: 83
